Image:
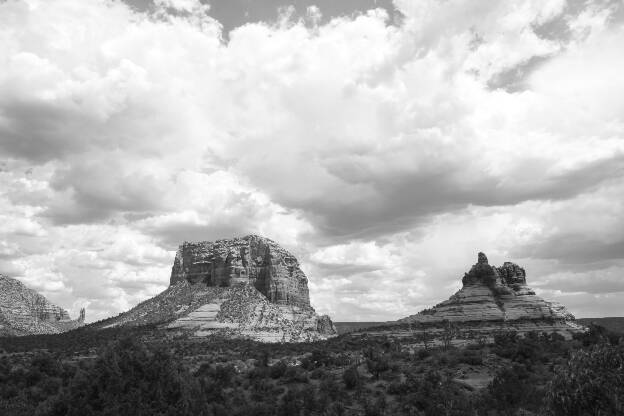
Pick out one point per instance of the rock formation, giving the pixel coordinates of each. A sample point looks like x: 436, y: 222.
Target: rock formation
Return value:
x: 498, y: 296
x: 253, y: 259
x: 241, y: 287
x: 25, y: 312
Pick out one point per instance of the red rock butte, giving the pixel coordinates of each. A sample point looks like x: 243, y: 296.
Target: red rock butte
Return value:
x: 499, y: 296
x: 240, y: 287
x: 251, y: 259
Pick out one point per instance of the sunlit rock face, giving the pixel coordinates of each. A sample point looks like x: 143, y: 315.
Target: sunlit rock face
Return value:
x: 251, y: 259
x: 25, y: 312
x: 498, y: 295
x: 246, y: 287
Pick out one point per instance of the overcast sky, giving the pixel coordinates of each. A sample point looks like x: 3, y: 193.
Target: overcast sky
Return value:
x: 384, y: 144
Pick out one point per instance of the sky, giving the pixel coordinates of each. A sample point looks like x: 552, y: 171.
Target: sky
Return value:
x: 383, y: 143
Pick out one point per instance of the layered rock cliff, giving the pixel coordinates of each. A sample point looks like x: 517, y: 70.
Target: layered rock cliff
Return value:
x: 253, y: 259
x: 498, y: 296
x: 241, y: 287
x: 25, y: 312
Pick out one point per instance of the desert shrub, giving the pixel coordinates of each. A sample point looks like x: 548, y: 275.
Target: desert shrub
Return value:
x: 398, y: 388
x: 592, y: 382
x: 296, y: 374
x: 375, y: 407
x: 260, y: 372
x: 423, y: 353
x: 432, y: 394
x: 278, y: 369
x: 378, y: 365
x: 317, y: 374
x: 351, y: 377
x: 512, y: 388
x: 505, y: 338
x: 475, y: 347
x: 329, y: 389
x: 470, y: 357
x: 320, y: 358
x: 128, y: 378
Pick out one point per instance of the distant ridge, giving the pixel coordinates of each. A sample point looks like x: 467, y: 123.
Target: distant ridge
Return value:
x: 612, y: 323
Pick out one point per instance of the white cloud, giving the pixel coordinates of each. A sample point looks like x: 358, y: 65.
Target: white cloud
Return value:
x: 184, y: 5
x: 385, y: 157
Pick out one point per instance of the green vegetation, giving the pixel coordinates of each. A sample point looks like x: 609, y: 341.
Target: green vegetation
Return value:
x: 143, y: 371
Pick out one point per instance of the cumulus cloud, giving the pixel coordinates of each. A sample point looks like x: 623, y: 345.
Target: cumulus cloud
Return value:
x: 384, y: 152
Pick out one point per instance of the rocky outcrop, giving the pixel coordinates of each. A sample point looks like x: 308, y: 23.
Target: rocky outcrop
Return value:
x: 25, y: 312
x: 259, y: 261
x: 242, y: 287
x: 500, y: 296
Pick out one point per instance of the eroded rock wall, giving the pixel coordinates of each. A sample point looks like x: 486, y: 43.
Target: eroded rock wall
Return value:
x: 252, y: 259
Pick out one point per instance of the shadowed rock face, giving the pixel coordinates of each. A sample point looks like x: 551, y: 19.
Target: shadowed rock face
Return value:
x: 498, y: 294
x: 25, y: 312
x: 251, y: 259
x: 482, y: 273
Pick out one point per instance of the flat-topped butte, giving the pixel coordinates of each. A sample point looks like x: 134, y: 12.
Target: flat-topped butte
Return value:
x: 241, y: 287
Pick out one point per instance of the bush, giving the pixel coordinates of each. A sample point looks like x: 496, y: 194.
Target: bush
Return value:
x: 378, y: 365
x: 296, y: 375
x: 471, y: 357
x: 128, y: 378
x: 511, y: 389
x: 317, y: 373
x: 423, y: 353
x: 592, y: 382
x: 278, y: 369
x: 351, y: 377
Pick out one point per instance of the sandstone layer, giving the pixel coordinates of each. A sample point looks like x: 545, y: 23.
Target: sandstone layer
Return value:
x: 23, y: 311
x: 498, y: 297
x: 241, y: 287
x: 252, y: 259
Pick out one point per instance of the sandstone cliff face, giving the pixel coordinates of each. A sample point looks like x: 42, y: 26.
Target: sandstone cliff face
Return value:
x: 241, y: 287
x: 253, y: 259
x: 25, y: 312
x: 498, y: 295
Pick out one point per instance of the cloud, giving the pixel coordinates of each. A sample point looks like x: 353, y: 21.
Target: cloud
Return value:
x: 181, y: 5
x: 385, y: 152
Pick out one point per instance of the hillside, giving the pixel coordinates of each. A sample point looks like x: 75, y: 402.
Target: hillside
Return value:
x: 23, y: 311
